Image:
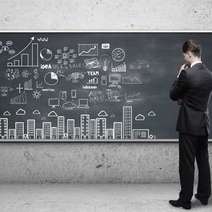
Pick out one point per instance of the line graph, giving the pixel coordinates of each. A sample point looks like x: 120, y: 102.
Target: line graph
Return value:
x: 87, y: 49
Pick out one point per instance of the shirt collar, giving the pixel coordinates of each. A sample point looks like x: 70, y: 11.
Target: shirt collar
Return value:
x: 196, y: 62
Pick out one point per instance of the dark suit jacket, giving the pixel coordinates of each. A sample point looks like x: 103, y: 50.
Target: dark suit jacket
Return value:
x: 192, y: 89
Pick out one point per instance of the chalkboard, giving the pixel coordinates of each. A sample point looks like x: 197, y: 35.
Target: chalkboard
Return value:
x: 102, y: 87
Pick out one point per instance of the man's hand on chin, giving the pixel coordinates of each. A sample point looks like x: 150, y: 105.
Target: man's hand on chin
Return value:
x: 183, y: 67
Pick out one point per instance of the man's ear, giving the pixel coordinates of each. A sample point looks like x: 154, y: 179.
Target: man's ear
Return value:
x: 190, y: 55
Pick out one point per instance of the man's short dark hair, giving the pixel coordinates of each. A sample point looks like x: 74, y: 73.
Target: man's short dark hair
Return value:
x: 192, y: 46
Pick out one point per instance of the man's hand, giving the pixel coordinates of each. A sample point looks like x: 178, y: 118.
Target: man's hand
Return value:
x: 183, y: 67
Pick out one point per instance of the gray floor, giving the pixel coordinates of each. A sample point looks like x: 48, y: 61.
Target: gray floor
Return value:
x: 90, y: 198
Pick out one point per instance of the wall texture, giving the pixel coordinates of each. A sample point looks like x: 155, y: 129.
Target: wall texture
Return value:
x: 134, y: 163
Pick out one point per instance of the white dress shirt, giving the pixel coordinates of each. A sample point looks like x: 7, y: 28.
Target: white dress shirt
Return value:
x: 196, y: 62
x: 192, y: 64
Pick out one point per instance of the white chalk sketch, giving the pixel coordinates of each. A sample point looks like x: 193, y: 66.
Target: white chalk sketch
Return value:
x: 36, y: 112
x: 19, y: 88
x: 63, y: 95
x: 127, y: 122
x: 119, y: 68
x: 39, y: 84
x: 7, y: 47
x: 36, y: 94
x: 96, y: 96
x: 36, y: 74
x: 20, y: 112
x: 75, y: 77
x: 114, y: 80
x: 48, y: 89
x: 83, y: 103
x: 25, y: 73
x: 25, y: 59
x: 140, y: 117
x: 102, y: 113
x: 46, y: 54
x: 151, y: 113
x: 7, y: 113
x: 132, y: 79
x: 118, y: 54
x: 51, y: 78
x: 105, y: 45
x: 69, y: 105
x: 43, y: 39
x: 3, y: 128
x: 106, y: 62
x: 67, y: 129
x: 53, y: 102
x: 88, y: 49
x: 28, y: 85
x: 92, y: 63
x: 19, y: 100
x: 4, y: 91
x: 52, y: 114
x: 12, y: 73
x: 65, y: 57
x: 93, y: 81
x: 113, y: 95
x: 104, y: 80
x: 141, y: 133
x: 73, y: 93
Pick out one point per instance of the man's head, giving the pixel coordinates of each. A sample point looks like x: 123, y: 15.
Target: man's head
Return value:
x: 191, y: 51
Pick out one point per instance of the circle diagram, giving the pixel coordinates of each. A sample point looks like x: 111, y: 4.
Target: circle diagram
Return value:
x: 118, y: 54
x: 51, y: 78
x: 46, y: 54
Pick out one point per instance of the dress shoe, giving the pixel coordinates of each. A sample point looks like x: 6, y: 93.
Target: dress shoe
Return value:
x: 178, y: 203
x: 203, y: 201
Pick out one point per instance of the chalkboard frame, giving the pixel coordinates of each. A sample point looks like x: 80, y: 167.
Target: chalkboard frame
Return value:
x: 62, y: 141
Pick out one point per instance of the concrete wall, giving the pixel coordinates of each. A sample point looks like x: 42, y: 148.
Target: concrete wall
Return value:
x: 97, y: 162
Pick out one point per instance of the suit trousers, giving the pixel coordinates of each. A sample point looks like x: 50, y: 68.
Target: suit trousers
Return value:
x: 193, y: 147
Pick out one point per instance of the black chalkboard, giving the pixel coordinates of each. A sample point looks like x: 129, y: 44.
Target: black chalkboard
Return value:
x: 90, y: 86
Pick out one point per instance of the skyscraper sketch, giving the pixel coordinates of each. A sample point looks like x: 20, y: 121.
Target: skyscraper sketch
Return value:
x: 47, y: 130
x: 19, y: 126
x: 117, y: 126
x: 127, y: 122
x: 84, y: 125
x: 31, y: 128
x: 3, y: 128
x: 70, y: 128
x: 101, y: 128
x: 92, y: 129
x: 61, y: 126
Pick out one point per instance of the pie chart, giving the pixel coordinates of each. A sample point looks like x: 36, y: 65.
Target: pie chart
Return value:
x: 46, y: 54
x: 51, y: 78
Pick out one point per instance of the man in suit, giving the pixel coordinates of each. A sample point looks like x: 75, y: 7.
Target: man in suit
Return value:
x: 192, y: 90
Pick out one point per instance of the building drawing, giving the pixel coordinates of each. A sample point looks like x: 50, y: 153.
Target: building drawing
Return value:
x: 127, y: 122
x: 101, y: 128
x: 66, y: 129
x: 84, y: 125
x: 47, y: 130
x: 70, y: 128
x: 19, y: 127
x: 61, y: 126
x: 117, y: 126
x: 3, y: 128
x: 31, y: 128
x: 92, y: 129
